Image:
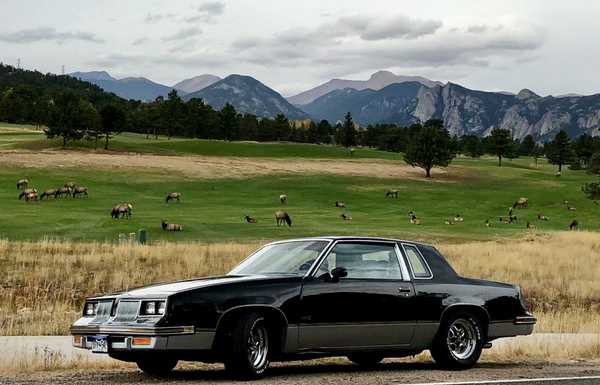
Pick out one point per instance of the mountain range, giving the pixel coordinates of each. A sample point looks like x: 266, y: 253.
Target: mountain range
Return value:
x: 383, y: 98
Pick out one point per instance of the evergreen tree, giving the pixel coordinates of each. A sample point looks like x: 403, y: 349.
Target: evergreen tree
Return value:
x: 349, y: 134
x: 429, y: 147
x: 501, y: 143
x: 112, y: 122
x: 324, y: 132
x: 527, y: 146
x: 229, y: 122
x: 559, y: 152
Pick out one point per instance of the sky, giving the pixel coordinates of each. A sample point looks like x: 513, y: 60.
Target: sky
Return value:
x: 548, y: 46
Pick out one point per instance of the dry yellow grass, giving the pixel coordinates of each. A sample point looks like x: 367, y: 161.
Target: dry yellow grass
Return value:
x: 42, y: 284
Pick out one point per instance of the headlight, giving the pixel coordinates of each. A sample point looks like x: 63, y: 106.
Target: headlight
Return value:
x: 90, y: 309
x: 153, y: 308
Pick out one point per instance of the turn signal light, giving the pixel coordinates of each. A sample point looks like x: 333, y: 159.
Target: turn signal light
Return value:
x: 77, y: 340
x: 141, y: 341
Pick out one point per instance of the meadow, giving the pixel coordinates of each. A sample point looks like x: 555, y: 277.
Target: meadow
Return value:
x: 219, y: 190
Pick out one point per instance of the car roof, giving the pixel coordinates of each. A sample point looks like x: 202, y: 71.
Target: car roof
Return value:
x: 349, y: 238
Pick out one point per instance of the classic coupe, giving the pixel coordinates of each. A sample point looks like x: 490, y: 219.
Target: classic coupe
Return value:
x: 364, y: 298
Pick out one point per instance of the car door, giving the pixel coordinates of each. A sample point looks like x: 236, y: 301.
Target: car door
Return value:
x: 369, y: 308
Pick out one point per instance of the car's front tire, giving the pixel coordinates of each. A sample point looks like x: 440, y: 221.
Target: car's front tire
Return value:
x: 459, y: 342
x: 248, y: 355
x: 366, y: 359
x: 157, y: 366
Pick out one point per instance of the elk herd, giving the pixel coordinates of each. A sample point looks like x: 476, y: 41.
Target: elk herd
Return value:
x: 125, y: 209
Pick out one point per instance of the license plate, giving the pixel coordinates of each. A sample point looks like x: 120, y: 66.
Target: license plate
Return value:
x: 99, y: 344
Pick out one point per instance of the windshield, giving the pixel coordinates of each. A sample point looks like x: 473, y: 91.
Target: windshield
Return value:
x: 282, y: 258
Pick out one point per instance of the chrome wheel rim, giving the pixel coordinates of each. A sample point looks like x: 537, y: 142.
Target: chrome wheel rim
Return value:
x: 258, y: 344
x: 462, y: 339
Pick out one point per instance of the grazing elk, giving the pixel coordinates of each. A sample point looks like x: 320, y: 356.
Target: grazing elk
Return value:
x: 339, y: 204
x: 530, y: 225
x: 64, y: 191
x: 27, y: 191
x: 521, y: 203
x: 346, y: 217
x: 542, y: 217
x: 173, y: 196
x: 392, y: 193
x: 121, y: 210
x: 32, y: 196
x: 571, y: 208
x: 49, y: 193
x: 488, y: 223
x: 22, y: 184
x: 80, y: 190
x: 574, y: 225
x: 283, y: 198
x: 281, y: 217
x: 171, y: 226
x: 250, y: 219
x: 458, y: 218
x: 70, y: 185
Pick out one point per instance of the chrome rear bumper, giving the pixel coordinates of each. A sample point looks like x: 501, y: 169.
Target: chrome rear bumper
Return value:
x: 131, y: 330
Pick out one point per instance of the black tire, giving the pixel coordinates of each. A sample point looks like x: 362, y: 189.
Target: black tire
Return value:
x: 459, y: 342
x: 366, y: 359
x: 248, y: 354
x: 157, y: 366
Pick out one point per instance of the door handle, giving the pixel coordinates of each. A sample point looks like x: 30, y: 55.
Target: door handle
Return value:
x: 405, y: 291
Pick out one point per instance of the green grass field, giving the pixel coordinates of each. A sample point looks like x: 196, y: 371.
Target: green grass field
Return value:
x: 213, y: 209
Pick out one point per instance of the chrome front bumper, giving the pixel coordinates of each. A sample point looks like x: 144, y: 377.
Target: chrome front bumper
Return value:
x: 125, y: 338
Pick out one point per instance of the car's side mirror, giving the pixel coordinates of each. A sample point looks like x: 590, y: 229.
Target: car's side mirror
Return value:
x: 337, y: 273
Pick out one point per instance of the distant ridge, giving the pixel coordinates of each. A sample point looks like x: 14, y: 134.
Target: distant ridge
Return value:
x: 137, y: 88
x: 247, y: 95
x: 377, y: 81
x: 196, y: 83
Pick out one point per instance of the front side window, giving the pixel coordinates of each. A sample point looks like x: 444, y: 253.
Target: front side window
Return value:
x: 363, y: 261
x: 418, y: 265
x: 294, y: 258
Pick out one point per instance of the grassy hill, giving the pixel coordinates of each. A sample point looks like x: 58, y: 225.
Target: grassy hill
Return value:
x: 213, y: 207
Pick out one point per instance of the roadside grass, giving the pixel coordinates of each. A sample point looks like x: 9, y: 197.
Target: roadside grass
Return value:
x: 43, y: 284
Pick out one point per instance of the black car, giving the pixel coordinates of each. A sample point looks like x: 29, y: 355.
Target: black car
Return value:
x: 364, y: 298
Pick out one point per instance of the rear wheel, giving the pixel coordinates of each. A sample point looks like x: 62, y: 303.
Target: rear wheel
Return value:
x: 157, y: 366
x: 248, y: 356
x: 459, y: 342
x: 366, y: 359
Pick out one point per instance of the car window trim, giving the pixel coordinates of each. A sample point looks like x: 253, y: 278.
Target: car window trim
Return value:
x: 404, y: 275
x: 420, y: 255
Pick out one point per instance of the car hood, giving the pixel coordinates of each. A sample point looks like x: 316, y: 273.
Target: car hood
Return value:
x: 166, y: 289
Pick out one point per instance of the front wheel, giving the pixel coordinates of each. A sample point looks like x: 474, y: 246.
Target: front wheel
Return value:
x: 248, y: 356
x: 157, y: 366
x: 458, y: 343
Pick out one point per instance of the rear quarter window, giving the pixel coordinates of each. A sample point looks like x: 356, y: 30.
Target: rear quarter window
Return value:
x: 418, y: 266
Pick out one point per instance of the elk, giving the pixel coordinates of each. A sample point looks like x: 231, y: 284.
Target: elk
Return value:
x: 521, y: 203
x: 48, y: 193
x: 171, y: 226
x: 346, y: 217
x: 283, y: 198
x: 392, y: 193
x: 339, y: 204
x: 250, y: 219
x: 22, y: 184
x: 80, y: 190
x: 281, y: 217
x: 172, y: 196
x: 121, y: 210
x: 27, y: 191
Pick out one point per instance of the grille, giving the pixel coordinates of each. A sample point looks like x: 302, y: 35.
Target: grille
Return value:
x: 127, y: 311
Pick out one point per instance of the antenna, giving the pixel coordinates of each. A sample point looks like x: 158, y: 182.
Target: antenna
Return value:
x: 63, y: 69
x: 19, y: 63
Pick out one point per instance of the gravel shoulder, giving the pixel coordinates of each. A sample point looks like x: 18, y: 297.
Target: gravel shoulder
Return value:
x: 333, y: 371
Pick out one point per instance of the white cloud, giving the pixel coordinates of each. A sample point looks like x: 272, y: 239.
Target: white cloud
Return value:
x: 46, y: 34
